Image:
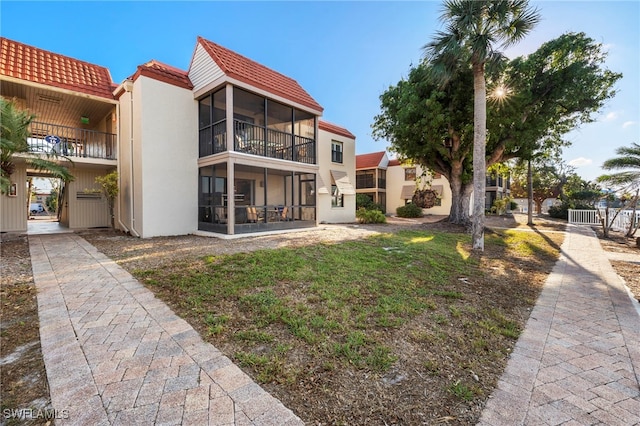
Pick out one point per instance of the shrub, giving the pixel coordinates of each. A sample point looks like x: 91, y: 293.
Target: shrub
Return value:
x: 365, y: 202
x: 409, y: 210
x: 370, y: 216
x: 559, y: 212
x: 562, y: 211
x: 513, y: 205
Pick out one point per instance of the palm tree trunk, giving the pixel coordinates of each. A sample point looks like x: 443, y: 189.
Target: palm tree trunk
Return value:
x: 529, y: 194
x: 479, y: 155
x: 632, y: 220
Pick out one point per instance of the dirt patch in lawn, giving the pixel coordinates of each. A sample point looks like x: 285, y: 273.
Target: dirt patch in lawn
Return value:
x: 22, y: 371
x: 359, y: 352
x: 625, y: 259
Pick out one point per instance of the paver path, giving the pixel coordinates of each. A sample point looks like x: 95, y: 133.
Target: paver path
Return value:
x: 114, y: 354
x: 578, y: 360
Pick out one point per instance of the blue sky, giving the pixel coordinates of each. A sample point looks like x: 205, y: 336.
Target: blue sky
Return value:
x: 345, y: 54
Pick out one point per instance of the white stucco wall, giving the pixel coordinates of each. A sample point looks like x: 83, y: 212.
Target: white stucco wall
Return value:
x: 166, y: 146
x: 395, y: 182
x: 326, y: 213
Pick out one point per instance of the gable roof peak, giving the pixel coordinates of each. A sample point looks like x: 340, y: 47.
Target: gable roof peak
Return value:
x: 162, y: 72
x: 250, y: 72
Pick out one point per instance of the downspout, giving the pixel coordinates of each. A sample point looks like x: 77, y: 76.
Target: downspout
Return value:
x: 128, y: 86
x: 122, y: 225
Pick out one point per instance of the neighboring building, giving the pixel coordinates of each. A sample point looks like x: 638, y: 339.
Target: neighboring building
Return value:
x: 228, y: 146
x: 392, y: 184
x: 76, y: 116
x: 401, y: 185
x: 371, y: 176
x: 337, y: 174
x: 523, y: 204
x: 497, y: 187
x: 40, y: 197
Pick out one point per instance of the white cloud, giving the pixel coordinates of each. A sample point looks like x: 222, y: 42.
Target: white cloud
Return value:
x: 611, y: 116
x: 628, y: 123
x: 580, y: 162
x: 608, y: 46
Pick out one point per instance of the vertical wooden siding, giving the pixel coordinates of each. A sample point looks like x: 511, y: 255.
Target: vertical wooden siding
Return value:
x: 87, y: 212
x: 13, y: 210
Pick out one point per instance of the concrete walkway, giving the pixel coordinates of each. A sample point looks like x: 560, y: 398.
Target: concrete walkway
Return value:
x: 578, y: 360
x: 115, y: 354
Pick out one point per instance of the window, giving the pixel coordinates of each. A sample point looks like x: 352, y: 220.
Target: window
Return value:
x: 212, y: 127
x: 365, y: 179
x: 410, y: 173
x: 382, y: 179
x: 336, y: 152
x: 336, y: 197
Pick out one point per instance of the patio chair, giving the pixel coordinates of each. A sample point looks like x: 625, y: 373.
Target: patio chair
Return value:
x: 283, y: 215
x: 221, y: 216
x: 252, y: 215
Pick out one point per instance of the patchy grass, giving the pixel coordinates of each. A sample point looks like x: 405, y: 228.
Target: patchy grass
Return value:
x: 23, y: 376
x: 368, y: 330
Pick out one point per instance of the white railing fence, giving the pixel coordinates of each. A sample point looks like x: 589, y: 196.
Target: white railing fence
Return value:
x: 619, y: 222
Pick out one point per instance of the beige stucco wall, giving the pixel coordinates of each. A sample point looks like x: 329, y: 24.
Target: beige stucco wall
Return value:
x: 395, y: 182
x: 165, y: 156
x: 326, y: 213
x: 13, y: 210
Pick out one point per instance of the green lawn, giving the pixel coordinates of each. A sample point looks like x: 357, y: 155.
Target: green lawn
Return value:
x: 300, y: 314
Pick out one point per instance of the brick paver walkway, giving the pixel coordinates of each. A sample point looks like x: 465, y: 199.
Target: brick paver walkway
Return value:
x: 115, y: 354
x: 578, y: 360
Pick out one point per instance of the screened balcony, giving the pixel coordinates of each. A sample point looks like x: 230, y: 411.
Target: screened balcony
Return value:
x: 264, y: 199
x: 261, y: 127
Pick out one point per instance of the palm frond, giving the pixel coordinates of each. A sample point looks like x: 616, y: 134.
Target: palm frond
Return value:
x: 55, y: 169
x: 629, y: 158
x: 14, y: 134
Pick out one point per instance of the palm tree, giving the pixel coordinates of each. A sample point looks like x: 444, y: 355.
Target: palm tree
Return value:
x: 14, y: 133
x: 626, y: 180
x: 475, y: 29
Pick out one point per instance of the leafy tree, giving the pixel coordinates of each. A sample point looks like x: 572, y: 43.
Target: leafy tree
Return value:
x: 548, y: 176
x: 475, y: 29
x: 551, y: 92
x: 580, y: 191
x: 14, y: 132
x: 626, y: 180
x: 52, y: 201
x: 109, y: 185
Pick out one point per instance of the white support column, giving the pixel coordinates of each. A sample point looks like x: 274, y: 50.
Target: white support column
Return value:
x: 231, y: 137
x: 231, y: 196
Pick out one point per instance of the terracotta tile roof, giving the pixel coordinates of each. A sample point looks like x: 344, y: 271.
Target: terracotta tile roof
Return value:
x: 332, y: 128
x: 32, y: 64
x: 394, y: 162
x: 369, y: 161
x: 250, y: 72
x: 165, y: 73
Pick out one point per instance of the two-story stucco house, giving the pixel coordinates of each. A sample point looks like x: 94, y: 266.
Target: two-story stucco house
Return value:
x: 391, y: 184
x: 228, y: 146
